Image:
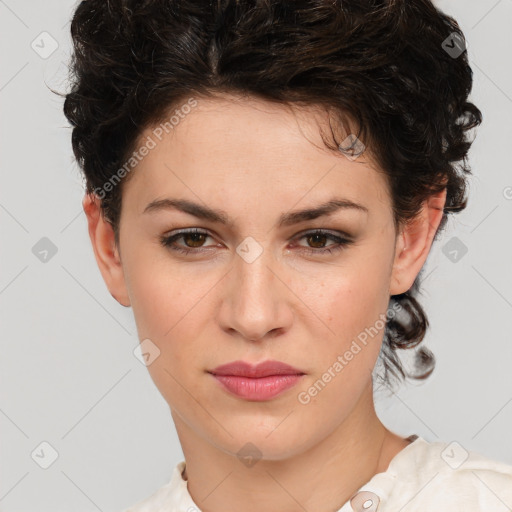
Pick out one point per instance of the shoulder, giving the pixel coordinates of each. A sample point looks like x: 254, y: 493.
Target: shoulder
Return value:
x: 434, y: 474
x: 171, y: 496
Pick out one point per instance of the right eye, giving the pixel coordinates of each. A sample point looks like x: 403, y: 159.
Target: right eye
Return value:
x: 196, y: 236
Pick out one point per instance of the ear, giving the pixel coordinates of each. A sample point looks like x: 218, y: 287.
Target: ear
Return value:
x: 106, y: 252
x: 414, y: 242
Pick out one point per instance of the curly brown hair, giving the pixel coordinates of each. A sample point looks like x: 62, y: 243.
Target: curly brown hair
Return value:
x: 383, y: 64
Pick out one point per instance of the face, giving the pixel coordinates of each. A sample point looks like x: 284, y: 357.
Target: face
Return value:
x: 250, y: 287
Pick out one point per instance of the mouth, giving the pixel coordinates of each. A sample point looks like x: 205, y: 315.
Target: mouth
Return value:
x: 257, y: 383
x: 264, y: 369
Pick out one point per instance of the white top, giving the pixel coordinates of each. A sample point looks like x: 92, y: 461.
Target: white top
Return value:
x: 423, y: 477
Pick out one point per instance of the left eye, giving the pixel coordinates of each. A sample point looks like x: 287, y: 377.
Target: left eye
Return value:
x: 315, y: 237
x: 196, y: 236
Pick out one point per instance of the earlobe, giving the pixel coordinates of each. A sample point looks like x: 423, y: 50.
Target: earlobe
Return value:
x: 105, y: 250
x: 414, y: 242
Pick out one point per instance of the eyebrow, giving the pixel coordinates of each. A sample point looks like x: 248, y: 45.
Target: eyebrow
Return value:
x: 286, y: 219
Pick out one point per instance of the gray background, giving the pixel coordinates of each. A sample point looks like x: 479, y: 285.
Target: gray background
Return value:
x: 69, y: 376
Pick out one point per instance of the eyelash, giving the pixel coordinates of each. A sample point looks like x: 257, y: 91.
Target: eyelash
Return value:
x: 341, y: 242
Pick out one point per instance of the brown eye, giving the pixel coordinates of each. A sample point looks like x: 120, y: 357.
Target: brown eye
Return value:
x: 193, y: 240
x: 197, y: 238
x: 317, y: 239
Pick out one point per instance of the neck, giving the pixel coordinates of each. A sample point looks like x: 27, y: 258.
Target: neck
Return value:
x: 322, y: 478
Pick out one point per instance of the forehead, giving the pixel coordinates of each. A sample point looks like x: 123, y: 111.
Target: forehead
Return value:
x: 264, y: 152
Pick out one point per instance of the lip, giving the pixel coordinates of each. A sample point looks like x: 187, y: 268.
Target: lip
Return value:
x: 258, y: 383
x: 264, y: 369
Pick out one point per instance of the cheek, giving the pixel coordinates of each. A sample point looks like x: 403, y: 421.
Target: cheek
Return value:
x: 163, y: 293
x: 172, y: 308
x: 354, y: 307
x: 169, y: 310
x: 354, y: 299
x: 344, y: 360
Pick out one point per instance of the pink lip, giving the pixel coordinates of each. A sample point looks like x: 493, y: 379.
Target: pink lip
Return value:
x: 261, y: 382
x: 264, y: 369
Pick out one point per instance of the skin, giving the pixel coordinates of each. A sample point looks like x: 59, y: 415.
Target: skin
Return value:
x: 256, y: 160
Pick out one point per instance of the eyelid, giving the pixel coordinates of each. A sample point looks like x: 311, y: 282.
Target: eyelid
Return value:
x: 324, y: 231
x: 204, y: 231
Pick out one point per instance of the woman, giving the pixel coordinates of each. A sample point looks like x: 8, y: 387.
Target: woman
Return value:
x: 264, y: 184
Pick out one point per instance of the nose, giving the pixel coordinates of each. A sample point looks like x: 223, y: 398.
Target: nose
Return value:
x: 257, y: 303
